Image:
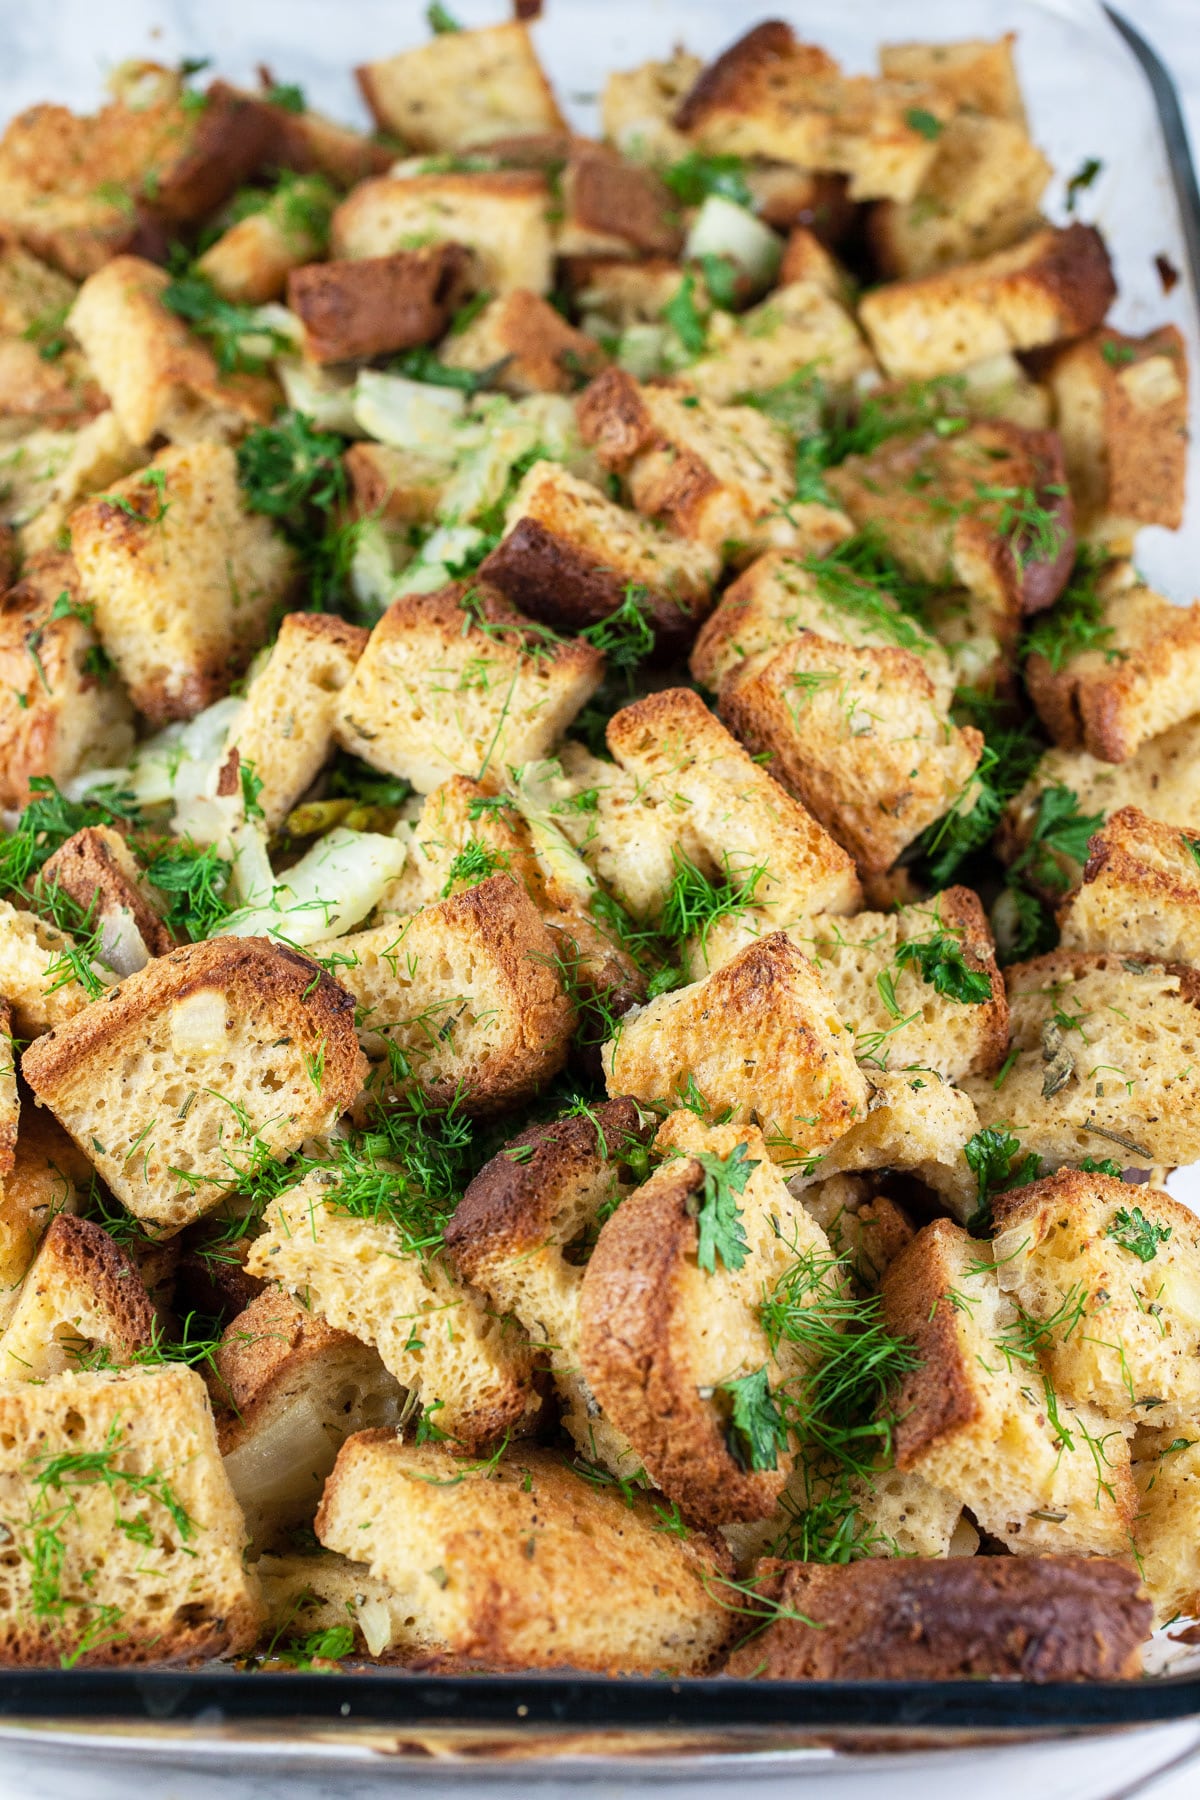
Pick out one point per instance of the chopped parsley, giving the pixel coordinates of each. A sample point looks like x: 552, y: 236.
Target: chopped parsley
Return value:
x: 1136, y: 1233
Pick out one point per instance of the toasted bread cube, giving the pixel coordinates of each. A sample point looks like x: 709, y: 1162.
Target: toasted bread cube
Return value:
x: 759, y: 1037
x: 1142, y: 677
x: 524, y: 346
x: 295, y: 1389
x: 1106, y: 1052
x: 857, y: 735
x: 388, y: 1505
x: 986, y: 509
x: 796, y: 325
x: 160, y: 377
x: 569, y: 556
x: 51, y: 393
x: 806, y: 258
x: 286, y: 728
x: 521, y: 1232
x: 309, y: 1595
x: 629, y: 847
x: 1122, y: 412
x: 979, y: 1416
x: 47, y: 473
x: 621, y: 293
x: 148, y: 1558
x: 722, y: 474
x: 663, y: 1339
x: 768, y: 95
x: 981, y: 194
x: 176, y: 1082
x: 34, y: 300
x: 183, y: 577
x: 61, y: 708
x: 867, y: 1230
x: 1057, y: 283
x: 399, y: 487
x: 232, y: 136
x: 977, y: 640
x: 1063, y: 1618
x: 732, y: 818
x: 440, y: 1339
x: 462, y: 88
x: 1115, y: 1288
x: 638, y: 106
x: 918, y: 1123
x: 1167, y: 1471
x: 96, y: 869
x: 82, y: 1294
x: 611, y: 207
x: 780, y: 595
x: 458, y: 683
x: 46, y: 1175
x: 499, y: 215
x: 464, y: 997
x: 251, y: 261
x: 1140, y: 894
x: 362, y: 308
x: 36, y: 972
x: 977, y: 74
x: 310, y: 143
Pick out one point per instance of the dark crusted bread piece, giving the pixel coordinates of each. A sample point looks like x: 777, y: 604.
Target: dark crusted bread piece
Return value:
x: 82, y: 1294
x: 98, y: 871
x: 374, y: 304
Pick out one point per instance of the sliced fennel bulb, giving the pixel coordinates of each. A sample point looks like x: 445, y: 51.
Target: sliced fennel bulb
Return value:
x: 332, y: 888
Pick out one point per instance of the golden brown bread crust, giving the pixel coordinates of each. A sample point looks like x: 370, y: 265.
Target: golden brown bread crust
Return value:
x: 731, y: 76
x: 509, y: 1206
x: 363, y: 308
x: 606, y: 194
x: 548, y: 578
x: 1069, y: 1618
x: 94, y: 869
x: 265, y: 1350
x: 915, y: 1307
x: 613, y: 419
x: 85, y: 1253
x: 381, y: 486
x: 962, y: 914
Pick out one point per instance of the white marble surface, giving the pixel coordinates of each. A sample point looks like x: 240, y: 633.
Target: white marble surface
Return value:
x: 55, y: 50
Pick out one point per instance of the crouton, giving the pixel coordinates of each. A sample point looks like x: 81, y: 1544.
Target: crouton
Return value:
x: 1122, y: 412
x: 285, y: 730
x: 986, y: 509
x: 38, y: 978
x: 667, y: 1335
x: 459, y: 683
x: 1140, y: 894
x: 458, y: 813
x: 310, y: 143
x: 45, y: 1178
x: 768, y: 95
x: 160, y: 377
x: 251, y: 261
x: 1139, y: 676
x: 977, y: 74
x: 722, y: 474
x: 917, y: 1124
x: 184, y: 579
x: 638, y: 105
x: 781, y: 1055
x: 308, y: 1596
x: 1167, y: 1534
x: 977, y: 640
x: 857, y: 735
x: 291, y: 1390
x: 569, y: 556
x: 469, y: 1366
x: 82, y: 1295
x: 1060, y: 1618
x: 1112, y: 1286
x: 522, y: 1232
x: 462, y: 88
x: 1056, y: 283
x: 47, y: 473
x: 806, y: 258
x: 524, y: 347
x: 60, y: 707
x: 398, y: 487
x: 620, y: 293
x: 500, y: 215
x: 613, y: 207
x: 867, y: 1230
x: 980, y: 194
x: 374, y: 304
x: 978, y: 1415
x: 1106, y: 1053
x: 796, y: 326
x: 147, y: 1563
x: 516, y: 1548
x: 34, y: 300
x: 98, y: 872
x: 48, y: 392
x: 780, y: 595
x: 188, y: 1072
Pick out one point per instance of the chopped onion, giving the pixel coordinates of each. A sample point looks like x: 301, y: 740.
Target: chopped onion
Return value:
x: 199, y: 1022
x: 412, y: 415
x: 277, y: 1465
x: 372, y: 569
x: 122, y: 946
x: 331, y: 888
x: 374, y: 1619
x: 641, y: 350
x: 722, y: 228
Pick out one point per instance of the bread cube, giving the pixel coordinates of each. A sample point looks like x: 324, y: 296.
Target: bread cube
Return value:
x: 37, y: 972
x: 500, y: 215
x: 1062, y: 1618
x: 399, y: 487
x: 524, y: 347
x: 979, y: 1415
x: 146, y: 1562
x: 460, y: 683
x: 917, y: 1123
x: 638, y: 106
x: 192, y: 1070
x: 619, y: 292
x: 374, y: 304
x: 285, y: 731
x: 662, y: 1339
x: 1057, y: 283
x: 857, y: 735
x: 611, y: 207
x: 977, y: 74
x: 96, y: 869
x: 308, y: 1595
x: 44, y: 1178
x: 470, y: 1368
x: 1167, y: 1534
x: 463, y: 998
x: 1122, y: 413
x: 81, y: 1295
x: 160, y: 377
x: 522, y: 1232
x: 1107, y: 1052
x: 310, y: 143
x: 1110, y: 1272
x: 61, y: 706
x: 768, y: 95
x: 462, y: 88
x: 251, y: 261
x: 1140, y: 893
x: 797, y: 325
x: 184, y: 579
x: 47, y: 473
x: 781, y: 1055
x: 868, y: 1231
x: 408, y: 1509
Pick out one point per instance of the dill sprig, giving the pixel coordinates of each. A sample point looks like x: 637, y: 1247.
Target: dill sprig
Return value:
x: 1075, y: 623
x: 293, y: 473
